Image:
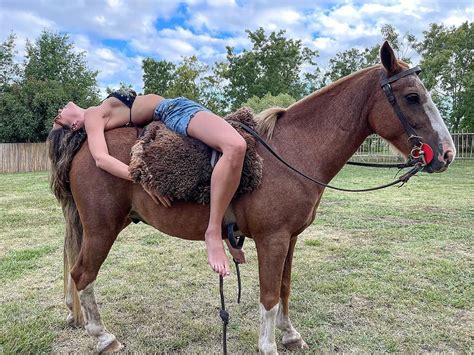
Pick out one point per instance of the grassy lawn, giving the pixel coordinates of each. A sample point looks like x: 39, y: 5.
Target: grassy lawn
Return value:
x: 388, y: 271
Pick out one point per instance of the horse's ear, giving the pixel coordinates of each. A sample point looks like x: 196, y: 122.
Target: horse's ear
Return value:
x: 388, y: 58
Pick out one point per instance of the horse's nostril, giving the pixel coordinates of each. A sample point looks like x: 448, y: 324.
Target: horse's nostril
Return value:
x: 448, y: 157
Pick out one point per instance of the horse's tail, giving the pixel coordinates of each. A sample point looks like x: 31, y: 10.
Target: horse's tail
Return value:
x: 62, y: 146
x: 266, y: 120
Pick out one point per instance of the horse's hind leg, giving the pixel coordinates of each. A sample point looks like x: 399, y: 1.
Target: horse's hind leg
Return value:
x: 291, y: 339
x: 94, y: 250
x: 94, y: 325
x: 101, y: 227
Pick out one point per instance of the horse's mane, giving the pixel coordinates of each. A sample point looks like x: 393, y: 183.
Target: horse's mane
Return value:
x: 266, y: 120
x: 63, y: 144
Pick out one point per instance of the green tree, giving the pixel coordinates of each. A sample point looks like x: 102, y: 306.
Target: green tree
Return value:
x: 15, y: 118
x: 190, y: 78
x: 9, y: 70
x: 186, y: 79
x: 53, y: 75
x: 212, y: 92
x: 448, y: 71
x: 122, y: 87
x: 352, y: 60
x: 258, y: 104
x: 158, y: 76
x: 52, y: 58
x: 272, y: 65
x: 402, y: 45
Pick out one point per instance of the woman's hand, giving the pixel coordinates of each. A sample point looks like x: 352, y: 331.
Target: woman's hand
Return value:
x: 158, y: 199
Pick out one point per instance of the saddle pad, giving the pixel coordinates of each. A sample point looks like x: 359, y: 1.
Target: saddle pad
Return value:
x: 179, y: 167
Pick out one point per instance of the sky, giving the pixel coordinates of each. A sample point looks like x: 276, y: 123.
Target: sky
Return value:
x: 117, y: 35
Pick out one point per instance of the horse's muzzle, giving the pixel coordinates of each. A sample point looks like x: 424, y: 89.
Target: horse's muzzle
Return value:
x: 441, y: 163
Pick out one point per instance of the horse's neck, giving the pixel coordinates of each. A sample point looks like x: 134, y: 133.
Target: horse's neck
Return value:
x: 322, y: 131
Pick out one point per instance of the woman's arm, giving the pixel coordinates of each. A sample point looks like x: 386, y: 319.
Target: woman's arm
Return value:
x: 94, y: 124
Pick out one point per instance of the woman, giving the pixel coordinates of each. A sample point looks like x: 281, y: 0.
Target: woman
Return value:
x: 183, y: 116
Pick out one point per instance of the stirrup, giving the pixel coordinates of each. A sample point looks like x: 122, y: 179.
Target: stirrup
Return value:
x: 234, y: 234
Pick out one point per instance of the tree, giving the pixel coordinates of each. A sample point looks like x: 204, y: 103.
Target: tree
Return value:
x: 272, y: 65
x: 124, y: 87
x: 448, y: 71
x: 401, y: 45
x: 158, y: 76
x: 9, y: 70
x: 212, y: 92
x: 53, y: 75
x: 352, y: 60
x: 258, y: 104
x: 189, y: 78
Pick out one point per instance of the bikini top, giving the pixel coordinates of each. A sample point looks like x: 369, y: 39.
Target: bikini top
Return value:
x: 127, y: 98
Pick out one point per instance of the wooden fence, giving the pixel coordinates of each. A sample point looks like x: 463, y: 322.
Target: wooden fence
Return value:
x: 23, y: 157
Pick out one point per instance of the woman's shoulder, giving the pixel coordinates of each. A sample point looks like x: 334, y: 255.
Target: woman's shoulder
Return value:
x: 96, y: 114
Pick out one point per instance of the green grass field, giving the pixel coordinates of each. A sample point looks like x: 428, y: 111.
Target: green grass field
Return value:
x: 388, y: 271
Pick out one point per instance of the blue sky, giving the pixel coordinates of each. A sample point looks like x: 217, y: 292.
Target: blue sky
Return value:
x: 117, y: 34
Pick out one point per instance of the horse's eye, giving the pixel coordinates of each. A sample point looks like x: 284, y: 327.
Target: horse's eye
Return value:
x: 412, y: 98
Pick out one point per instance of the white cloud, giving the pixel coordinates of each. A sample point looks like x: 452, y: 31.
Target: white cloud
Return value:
x: 205, y: 27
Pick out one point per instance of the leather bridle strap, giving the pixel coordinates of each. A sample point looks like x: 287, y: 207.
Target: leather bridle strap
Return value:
x: 387, y: 89
x: 400, y: 75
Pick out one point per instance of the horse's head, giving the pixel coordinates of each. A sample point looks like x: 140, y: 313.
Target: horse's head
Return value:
x: 403, y: 108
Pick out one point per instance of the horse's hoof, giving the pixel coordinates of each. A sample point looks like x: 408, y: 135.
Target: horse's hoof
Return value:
x: 113, y: 347
x: 297, y: 344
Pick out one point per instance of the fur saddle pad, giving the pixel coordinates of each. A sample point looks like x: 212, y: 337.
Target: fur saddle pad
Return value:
x: 179, y: 167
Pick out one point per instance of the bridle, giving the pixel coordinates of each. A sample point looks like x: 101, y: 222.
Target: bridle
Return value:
x: 421, y: 152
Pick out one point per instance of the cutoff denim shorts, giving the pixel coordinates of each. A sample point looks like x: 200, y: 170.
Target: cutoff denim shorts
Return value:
x: 177, y: 113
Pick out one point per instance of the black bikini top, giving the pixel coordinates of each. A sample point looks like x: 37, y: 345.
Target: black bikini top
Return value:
x: 127, y: 98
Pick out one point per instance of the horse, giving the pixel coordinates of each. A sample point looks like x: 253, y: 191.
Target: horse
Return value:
x: 318, y: 134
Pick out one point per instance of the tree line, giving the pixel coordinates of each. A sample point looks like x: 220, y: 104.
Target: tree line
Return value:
x: 275, y: 70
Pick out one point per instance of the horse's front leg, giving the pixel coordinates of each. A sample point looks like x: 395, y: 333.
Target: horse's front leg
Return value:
x: 272, y: 251
x: 291, y: 339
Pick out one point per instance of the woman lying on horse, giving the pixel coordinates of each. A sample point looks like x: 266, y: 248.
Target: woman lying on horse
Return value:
x: 183, y: 116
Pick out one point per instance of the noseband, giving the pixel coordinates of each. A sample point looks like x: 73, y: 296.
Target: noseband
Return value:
x: 421, y: 153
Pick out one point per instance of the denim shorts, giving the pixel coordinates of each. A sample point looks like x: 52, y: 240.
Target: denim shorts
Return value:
x: 177, y: 113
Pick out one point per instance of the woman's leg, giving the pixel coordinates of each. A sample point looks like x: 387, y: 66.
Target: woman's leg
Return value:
x: 218, y: 134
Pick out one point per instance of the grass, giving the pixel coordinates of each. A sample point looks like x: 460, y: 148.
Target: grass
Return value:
x: 388, y: 271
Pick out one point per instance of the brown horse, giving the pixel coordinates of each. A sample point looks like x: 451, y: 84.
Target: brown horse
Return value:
x: 318, y: 134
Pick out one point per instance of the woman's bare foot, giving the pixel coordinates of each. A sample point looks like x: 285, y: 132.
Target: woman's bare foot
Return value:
x: 237, y: 254
x: 216, y: 256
